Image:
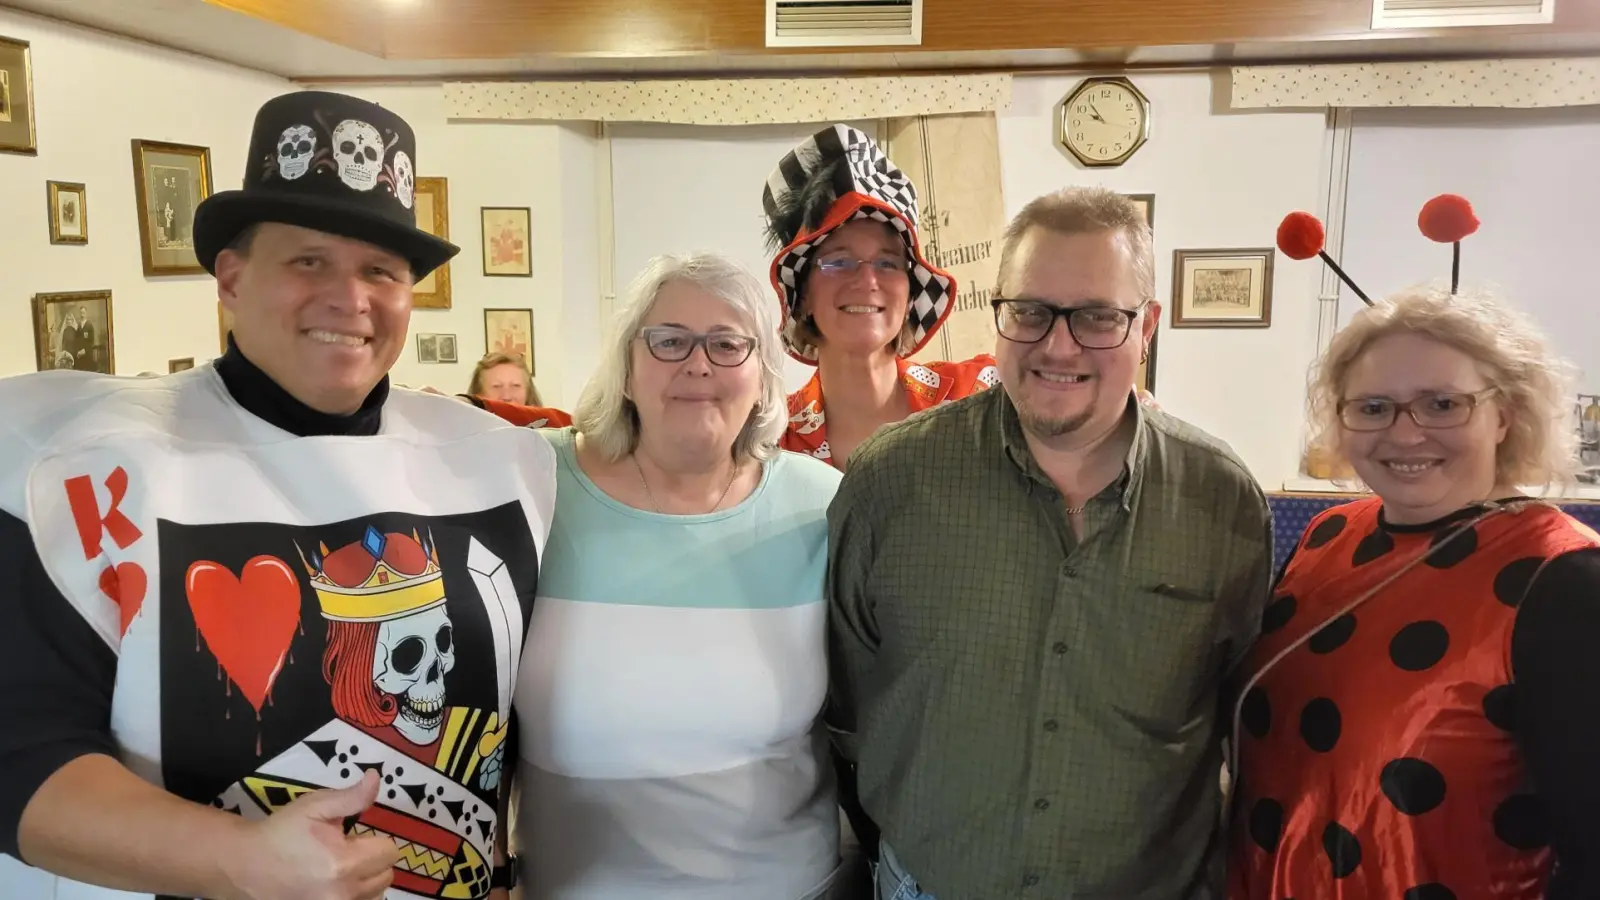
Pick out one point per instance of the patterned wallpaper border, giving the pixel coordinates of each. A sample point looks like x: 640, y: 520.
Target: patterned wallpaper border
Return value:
x: 1506, y: 83
x: 744, y: 101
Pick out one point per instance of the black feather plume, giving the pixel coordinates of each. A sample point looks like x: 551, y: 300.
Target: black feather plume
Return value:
x: 804, y: 209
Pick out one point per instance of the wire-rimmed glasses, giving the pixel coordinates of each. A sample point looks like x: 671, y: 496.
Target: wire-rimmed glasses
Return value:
x: 1093, y: 327
x: 1438, y: 410
x: 669, y: 343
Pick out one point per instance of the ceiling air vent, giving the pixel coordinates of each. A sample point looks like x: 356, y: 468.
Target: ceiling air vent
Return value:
x: 1460, y: 13
x: 843, y: 23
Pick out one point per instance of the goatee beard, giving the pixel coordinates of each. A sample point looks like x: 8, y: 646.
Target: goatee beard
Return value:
x: 1046, y: 428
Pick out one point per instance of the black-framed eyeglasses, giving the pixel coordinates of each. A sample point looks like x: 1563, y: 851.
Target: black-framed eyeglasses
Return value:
x: 1442, y: 410
x: 669, y: 343
x: 839, y: 265
x: 1093, y: 327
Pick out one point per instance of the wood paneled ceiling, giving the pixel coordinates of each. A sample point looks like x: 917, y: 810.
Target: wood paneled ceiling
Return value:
x: 331, y: 40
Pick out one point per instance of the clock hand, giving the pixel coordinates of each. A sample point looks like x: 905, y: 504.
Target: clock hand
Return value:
x: 1094, y: 113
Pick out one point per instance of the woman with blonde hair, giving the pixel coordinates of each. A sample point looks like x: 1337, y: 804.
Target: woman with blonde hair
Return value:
x: 502, y: 385
x: 1419, y: 718
x: 674, y: 674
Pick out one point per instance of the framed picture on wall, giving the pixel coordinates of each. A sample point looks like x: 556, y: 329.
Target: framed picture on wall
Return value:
x: 180, y: 365
x: 1147, y: 205
x: 224, y: 325
x: 69, y: 212
x: 17, y: 134
x: 509, y: 331
x: 447, y: 348
x: 73, y: 331
x: 1146, y: 377
x: 506, y: 240
x: 427, y: 348
x: 433, y: 216
x: 169, y: 181
x: 1222, y: 288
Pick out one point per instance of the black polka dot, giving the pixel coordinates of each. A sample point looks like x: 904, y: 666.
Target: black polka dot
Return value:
x: 1326, y: 530
x: 1413, y: 786
x: 1419, y: 646
x: 1278, y: 613
x: 1434, y: 891
x: 344, y: 773
x: 1513, y: 580
x: 391, y: 793
x: 1500, y: 707
x: 1520, y: 823
x: 1266, y: 824
x: 1320, y: 724
x: 1332, y: 636
x: 1342, y: 848
x: 1455, y: 551
x: 1256, y: 713
x: 1372, y: 547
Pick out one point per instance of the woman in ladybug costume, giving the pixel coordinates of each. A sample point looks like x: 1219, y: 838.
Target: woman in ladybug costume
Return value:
x: 1420, y: 719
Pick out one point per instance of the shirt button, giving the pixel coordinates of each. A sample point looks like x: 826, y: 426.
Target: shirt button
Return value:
x: 1051, y: 725
x: 1041, y: 804
x: 1030, y: 881
x: 1069, y: 571
x: 1060, y: 648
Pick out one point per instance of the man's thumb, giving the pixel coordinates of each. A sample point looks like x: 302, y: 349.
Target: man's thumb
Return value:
x: 340, y: 803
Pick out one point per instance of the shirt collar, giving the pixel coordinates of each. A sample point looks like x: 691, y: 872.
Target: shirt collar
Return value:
x: 1133, y: 467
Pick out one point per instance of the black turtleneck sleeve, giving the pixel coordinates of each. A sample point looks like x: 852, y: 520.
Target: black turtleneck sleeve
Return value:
x: 1556, y: 669
x: 56, y: 674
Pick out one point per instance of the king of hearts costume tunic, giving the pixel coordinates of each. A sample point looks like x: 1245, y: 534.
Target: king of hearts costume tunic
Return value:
x: 274, y: 612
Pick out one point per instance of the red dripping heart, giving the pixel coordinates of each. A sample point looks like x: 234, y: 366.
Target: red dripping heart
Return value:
x: 125, y: 585
x: 248, y: 621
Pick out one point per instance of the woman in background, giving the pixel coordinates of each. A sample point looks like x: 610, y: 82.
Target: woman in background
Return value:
x: 856, y: 295
x: 1419, y: 718
x: 675, y: 672
x: 501, y: 384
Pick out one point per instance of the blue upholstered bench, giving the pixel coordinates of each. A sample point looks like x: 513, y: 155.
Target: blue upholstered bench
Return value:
x: 1292, y: 511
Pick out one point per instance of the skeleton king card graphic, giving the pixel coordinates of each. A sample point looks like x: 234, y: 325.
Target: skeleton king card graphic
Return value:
x: 392, y: 632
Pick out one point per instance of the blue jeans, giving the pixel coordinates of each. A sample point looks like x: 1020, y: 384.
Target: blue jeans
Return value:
x: 892, y: 881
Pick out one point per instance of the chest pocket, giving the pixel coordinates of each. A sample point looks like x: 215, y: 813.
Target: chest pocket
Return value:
x: 1154, y: 646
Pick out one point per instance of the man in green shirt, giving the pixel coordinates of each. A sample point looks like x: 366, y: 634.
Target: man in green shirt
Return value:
x: 1034, y: 595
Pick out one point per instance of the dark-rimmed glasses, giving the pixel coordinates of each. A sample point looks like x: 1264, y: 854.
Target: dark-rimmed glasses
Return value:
x: 1093, y: 327
x: 670, y: 343
x: 1443, y: 410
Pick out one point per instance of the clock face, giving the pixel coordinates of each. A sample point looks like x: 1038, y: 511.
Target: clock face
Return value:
x: 1104, y: 122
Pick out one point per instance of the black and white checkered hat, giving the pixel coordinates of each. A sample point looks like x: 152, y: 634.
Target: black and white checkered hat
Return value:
x: 836, y: 176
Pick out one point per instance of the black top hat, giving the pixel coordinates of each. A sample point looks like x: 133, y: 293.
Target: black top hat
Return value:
x: 332, y: 163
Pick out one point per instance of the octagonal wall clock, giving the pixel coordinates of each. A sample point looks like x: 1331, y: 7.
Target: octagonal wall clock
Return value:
x: 1104, y: 121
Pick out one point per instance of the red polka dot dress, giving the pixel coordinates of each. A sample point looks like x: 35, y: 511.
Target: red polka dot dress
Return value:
x: 1379, y: 758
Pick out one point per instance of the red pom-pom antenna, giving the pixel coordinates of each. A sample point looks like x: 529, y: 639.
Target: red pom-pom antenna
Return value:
x: 1301, y: 236
x: 1447, y: 219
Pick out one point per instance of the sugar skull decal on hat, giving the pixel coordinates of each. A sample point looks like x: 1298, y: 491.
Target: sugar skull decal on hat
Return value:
x: 839, y: 175
x: 297, y: 147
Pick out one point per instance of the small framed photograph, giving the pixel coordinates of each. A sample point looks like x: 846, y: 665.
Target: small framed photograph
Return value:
x: 69, y: 212
x: 73, y: 331
x: 1147, y: 205
x: 180, y: 365
x: 433, y: 216
x: 1222, y: 288
x: 509, y: 331
x: 427, y: 348
x: 169, y: 182
x: 17, y: 134
x: 505, y: 241
x: 447, y: 348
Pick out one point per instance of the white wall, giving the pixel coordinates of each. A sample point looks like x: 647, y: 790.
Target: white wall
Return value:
x: 1221, y: 179
x: 93, y: 95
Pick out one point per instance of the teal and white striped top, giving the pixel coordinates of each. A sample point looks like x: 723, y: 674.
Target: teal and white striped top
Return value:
x: 670, y: 693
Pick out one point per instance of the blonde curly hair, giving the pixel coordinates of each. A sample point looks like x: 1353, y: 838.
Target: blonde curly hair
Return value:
x: 1534, y: 386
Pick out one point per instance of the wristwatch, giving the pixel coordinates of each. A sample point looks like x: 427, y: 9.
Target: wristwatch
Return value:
x: 507, y: 875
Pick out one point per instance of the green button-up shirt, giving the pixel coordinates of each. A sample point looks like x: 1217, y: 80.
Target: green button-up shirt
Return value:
x: 1034, y: 715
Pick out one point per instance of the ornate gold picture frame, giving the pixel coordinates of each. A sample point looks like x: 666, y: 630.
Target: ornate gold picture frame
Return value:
x: 169, y: 180
x: 17, y: 131
x: 433, y: 216
x: 69, y: 212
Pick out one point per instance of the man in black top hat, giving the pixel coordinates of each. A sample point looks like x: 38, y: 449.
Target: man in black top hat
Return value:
x: 260, y: 621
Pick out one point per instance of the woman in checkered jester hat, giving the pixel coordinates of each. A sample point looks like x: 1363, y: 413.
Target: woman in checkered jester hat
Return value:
x: 857, y: 295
